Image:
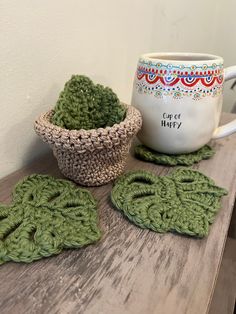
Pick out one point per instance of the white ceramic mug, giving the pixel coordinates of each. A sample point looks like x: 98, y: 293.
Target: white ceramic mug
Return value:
x: 180, y: 98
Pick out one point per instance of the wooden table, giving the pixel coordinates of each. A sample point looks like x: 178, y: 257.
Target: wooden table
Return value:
x: 130, y: 271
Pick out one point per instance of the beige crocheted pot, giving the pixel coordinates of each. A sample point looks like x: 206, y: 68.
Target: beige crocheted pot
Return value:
x: 92, y: 157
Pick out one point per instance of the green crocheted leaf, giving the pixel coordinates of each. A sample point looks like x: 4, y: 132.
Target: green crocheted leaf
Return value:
x: 148, y: 154
x: 186, y: 201
x: 84, y: 105
x: 46, y: 216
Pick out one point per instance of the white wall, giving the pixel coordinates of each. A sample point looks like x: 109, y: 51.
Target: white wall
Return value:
x: 43, y: 42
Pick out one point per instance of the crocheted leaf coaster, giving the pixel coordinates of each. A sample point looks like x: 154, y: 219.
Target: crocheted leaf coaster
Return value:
x: 148, y: 154
x: 46, y: 215
x: 186, y: 201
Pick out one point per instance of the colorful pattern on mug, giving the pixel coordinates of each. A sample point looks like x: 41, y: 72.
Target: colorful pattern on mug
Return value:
x: 179, y: 80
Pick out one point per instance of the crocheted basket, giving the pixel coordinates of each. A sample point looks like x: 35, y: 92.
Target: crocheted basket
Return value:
x: 90, y: 157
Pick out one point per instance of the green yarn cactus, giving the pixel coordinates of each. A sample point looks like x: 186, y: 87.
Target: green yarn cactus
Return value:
x: 85, y: 105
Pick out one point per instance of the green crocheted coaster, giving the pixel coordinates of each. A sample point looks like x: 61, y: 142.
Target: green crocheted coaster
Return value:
x: 46, y: 215
x: 186, y: 201
x: 148, y: 154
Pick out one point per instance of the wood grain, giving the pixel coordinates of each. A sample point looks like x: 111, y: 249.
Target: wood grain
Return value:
x: 130, y: 270
x: 224, y: 298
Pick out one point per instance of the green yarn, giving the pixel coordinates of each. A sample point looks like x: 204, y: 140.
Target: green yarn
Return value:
x: 84, y: 105
x: 148, y: 154
x: 186, y: 201
x: 46, y: 215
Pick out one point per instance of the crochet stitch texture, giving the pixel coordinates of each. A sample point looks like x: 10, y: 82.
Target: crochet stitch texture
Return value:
x: 186, y: 201
x: 84, y: 105
x: 148, y: 154
x: 92, y: 157
x: 46, y: 215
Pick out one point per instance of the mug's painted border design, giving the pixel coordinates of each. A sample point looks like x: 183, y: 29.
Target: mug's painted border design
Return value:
x: 169, y: 66
x: 178, y: 81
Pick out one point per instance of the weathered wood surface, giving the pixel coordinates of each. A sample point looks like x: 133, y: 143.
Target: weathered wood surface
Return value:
x: 224, y: 298
x: 130, y: 270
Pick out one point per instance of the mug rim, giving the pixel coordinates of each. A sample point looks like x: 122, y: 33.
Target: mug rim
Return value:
x: 182, y: 57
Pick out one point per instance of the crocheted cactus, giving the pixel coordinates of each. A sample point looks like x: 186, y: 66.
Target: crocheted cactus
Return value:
x: 84, y: 105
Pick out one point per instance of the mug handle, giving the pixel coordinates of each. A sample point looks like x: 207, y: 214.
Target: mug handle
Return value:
x: 230, y: 127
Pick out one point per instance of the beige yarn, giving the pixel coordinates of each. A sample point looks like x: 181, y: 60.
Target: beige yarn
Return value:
x: 92, y: 157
